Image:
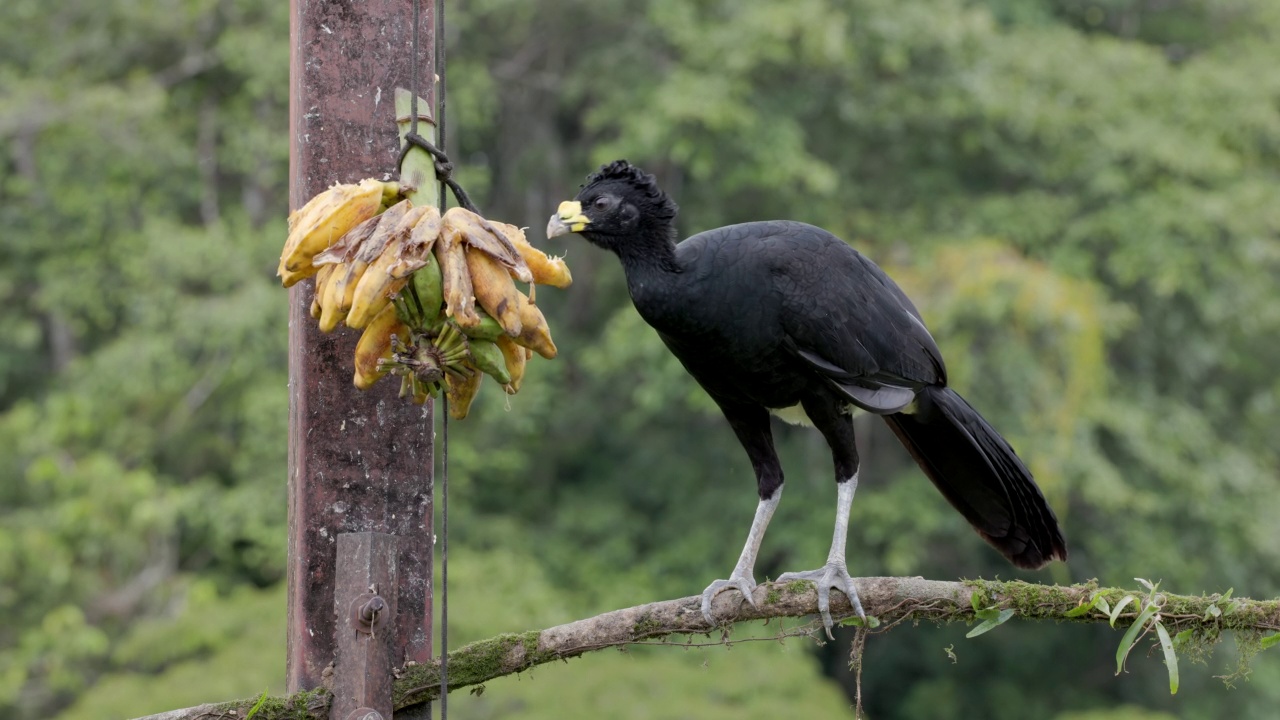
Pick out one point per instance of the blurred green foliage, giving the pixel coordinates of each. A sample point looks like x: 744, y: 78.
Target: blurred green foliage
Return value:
x: 1080, y: 194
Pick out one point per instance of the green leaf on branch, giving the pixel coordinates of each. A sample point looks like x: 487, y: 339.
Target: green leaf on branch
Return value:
x: 1269, y: 640
x: 990, y: 620
x: 1131, y: 636
x: 1103, y: 605
x: 1170, y: 657
x: 1181, y: 638
x: 1115, y: 612
x: 1083, y: 609
x: 256, y: 706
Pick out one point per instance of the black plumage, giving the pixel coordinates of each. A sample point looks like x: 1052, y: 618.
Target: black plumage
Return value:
x: 771, y: 315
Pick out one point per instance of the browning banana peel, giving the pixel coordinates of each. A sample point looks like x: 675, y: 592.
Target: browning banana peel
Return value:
x: 494, y: 290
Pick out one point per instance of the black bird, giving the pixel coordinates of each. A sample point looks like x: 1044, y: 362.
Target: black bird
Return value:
x: 771, y: 317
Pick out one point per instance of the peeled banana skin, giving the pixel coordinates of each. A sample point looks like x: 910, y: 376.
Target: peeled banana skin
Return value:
x: 369, y: 251
x: 545, y: 270
x: 482, y: 235
x: 417, y: 249
x: 346, y: 247
x: 459, y: 297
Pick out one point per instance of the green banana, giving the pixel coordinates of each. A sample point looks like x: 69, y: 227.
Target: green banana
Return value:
x: 486, y: 329
x: 427, y: 284
x: 486, y: 356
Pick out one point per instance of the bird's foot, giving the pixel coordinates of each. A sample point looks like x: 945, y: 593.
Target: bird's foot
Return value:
x: 745, y: 584
x: 831, y: 575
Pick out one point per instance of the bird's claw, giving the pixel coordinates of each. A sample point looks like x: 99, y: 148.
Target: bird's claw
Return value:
x: 831, y: 575
x: 744, y: 584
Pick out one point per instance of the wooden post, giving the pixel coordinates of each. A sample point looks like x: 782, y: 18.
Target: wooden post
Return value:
x: 359, y: 462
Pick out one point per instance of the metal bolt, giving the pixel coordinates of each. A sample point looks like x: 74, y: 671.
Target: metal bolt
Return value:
x: 365, y: 713
x: 369, y: 611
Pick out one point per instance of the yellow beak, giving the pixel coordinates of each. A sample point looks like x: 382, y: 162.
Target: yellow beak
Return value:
x: 568, y: 219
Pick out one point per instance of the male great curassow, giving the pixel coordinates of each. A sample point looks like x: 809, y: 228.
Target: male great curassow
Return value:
x: 778, y: 316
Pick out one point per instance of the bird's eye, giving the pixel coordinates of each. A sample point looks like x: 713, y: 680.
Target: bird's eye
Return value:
x: 602, y: 202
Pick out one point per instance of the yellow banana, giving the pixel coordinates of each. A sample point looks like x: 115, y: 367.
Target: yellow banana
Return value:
x: 376, y: 288
x: 289, y: 278
x: 315, y: 227
x: 461, y: 389
x: 494, y: 290
x: 459, y: 299
x: 534, y: 332
x: 375, y: 344
x: 546, y: 270
x: 481, y: 234
x: 514, y: 357
x: 322, y: 279
x: 345, y: 249
x: 331, y: 312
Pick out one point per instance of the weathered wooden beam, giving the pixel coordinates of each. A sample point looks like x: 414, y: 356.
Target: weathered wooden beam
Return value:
x: 358, y: 461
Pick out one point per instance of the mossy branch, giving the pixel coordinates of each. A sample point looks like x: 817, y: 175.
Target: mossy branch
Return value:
x: 889, y: 600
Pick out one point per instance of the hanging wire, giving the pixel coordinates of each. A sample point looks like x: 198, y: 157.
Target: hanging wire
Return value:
x: 444, y: 459
x: 444, y: 173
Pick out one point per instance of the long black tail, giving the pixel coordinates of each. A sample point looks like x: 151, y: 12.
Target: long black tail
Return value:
x: 980, y: 475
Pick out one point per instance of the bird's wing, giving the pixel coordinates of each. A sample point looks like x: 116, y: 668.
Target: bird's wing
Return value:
x: 845, y: 318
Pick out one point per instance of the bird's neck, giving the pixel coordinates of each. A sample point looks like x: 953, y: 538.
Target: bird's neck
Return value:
x: 649, y: 253
x: 654, y: 273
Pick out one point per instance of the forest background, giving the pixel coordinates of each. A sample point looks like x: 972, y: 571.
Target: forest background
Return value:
x: 1083, y: 197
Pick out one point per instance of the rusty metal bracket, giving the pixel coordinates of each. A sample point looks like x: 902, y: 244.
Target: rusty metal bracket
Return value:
x: 364, y: 593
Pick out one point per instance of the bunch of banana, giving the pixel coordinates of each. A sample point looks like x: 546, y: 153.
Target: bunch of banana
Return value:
x: 434, y: 295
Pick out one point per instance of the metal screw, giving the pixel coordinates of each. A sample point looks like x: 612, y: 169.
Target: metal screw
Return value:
x: 365, y: 713
x: 369, y: 611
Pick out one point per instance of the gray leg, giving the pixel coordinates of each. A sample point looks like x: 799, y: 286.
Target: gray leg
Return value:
x: 834, y: 574
x: 743, y: 575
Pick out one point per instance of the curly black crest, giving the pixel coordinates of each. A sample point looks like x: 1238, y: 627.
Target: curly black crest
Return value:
x: 660, y: 207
